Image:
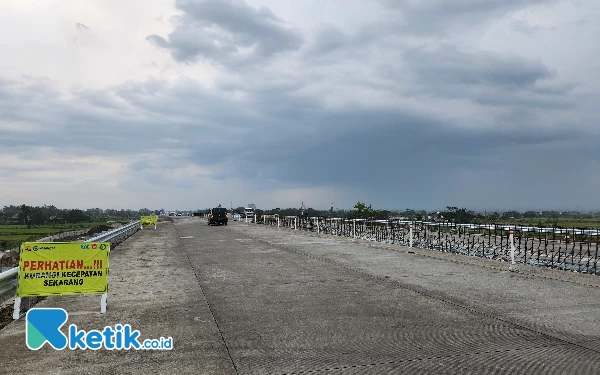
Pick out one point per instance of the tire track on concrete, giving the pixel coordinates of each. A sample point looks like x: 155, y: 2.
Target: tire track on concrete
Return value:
x: 415, y: 360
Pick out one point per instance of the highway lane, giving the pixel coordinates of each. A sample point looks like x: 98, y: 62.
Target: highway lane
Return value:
x: 287, y: 302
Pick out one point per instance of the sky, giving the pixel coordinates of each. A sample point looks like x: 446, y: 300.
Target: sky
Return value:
x: 186, y: 104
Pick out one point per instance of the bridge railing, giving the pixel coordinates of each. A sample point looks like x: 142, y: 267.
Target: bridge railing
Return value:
x: 572, y: 249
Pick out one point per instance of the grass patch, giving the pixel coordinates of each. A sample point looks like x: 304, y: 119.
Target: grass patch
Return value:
x: 17, y: 237
x: 560, y: 222
x: 31, y: 231
x: 11, y: 236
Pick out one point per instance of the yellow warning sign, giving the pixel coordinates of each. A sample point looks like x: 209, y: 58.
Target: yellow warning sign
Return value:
x: 63, y: 268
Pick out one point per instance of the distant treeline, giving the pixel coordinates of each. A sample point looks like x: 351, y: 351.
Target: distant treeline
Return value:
x: 50, y: 215
x: 451, y: 214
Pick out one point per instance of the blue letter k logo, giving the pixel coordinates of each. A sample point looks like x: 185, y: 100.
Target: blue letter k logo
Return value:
x: 44, y: 325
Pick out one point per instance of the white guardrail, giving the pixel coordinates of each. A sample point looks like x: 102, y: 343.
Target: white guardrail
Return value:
x: 8, y: 279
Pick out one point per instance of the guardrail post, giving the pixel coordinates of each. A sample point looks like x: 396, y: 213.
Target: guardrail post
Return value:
x: 354, y: 228
x: 254, y: 218
x: 277, y: 221
x: 513, y: 264
x: 17, y: 308
x: 318, y: 229
x: 410, y: 234
x: 103, y: 303
x: 295, y: 223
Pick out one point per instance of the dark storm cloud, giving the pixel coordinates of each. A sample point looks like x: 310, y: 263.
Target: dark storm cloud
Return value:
x: 220, y: 30
x: 486, y: 78
x: 402, y: 160
x: 397, y: 158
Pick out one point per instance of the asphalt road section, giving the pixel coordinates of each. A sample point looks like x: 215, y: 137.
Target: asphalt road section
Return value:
x: 250, y: 299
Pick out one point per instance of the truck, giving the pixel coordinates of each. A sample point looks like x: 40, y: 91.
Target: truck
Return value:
x: 249, y: 211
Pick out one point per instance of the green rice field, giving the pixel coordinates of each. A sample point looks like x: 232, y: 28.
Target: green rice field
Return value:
x: 11, y: 236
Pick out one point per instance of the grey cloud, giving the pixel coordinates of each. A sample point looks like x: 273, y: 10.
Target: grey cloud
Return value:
x: 276, y: 129
x: 327, y: 39
x: 405, y: 161
x: 82, y: 27
x: 396, y: 158
x: 485, y: 78
x: 158, y: 41
x: 438, y: 16
x: 228, y: 32
x: 451, y: 66
x: 526, y: 28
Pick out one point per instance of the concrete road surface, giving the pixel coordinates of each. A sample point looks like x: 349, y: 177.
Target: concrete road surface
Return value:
x: 249, y: 299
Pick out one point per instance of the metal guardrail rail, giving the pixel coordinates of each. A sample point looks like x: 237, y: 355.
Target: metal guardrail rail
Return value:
x: 8, y: 283
x: 8, y: 279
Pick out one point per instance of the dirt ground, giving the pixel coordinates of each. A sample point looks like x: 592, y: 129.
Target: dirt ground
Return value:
x: 9, y: 259
x: 6, y: 310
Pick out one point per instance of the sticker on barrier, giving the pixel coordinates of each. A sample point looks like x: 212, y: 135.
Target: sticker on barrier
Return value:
x: 148, y: 221
x: 63, y: 268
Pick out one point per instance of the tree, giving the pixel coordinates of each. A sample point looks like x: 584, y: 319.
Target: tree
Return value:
x: 24, y: 215
x: 361, y: 211
x: 37, y: 217
x: 76, y: 216
x: 364, y: 211
x: 458, y: 215
x: 530, y: 214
